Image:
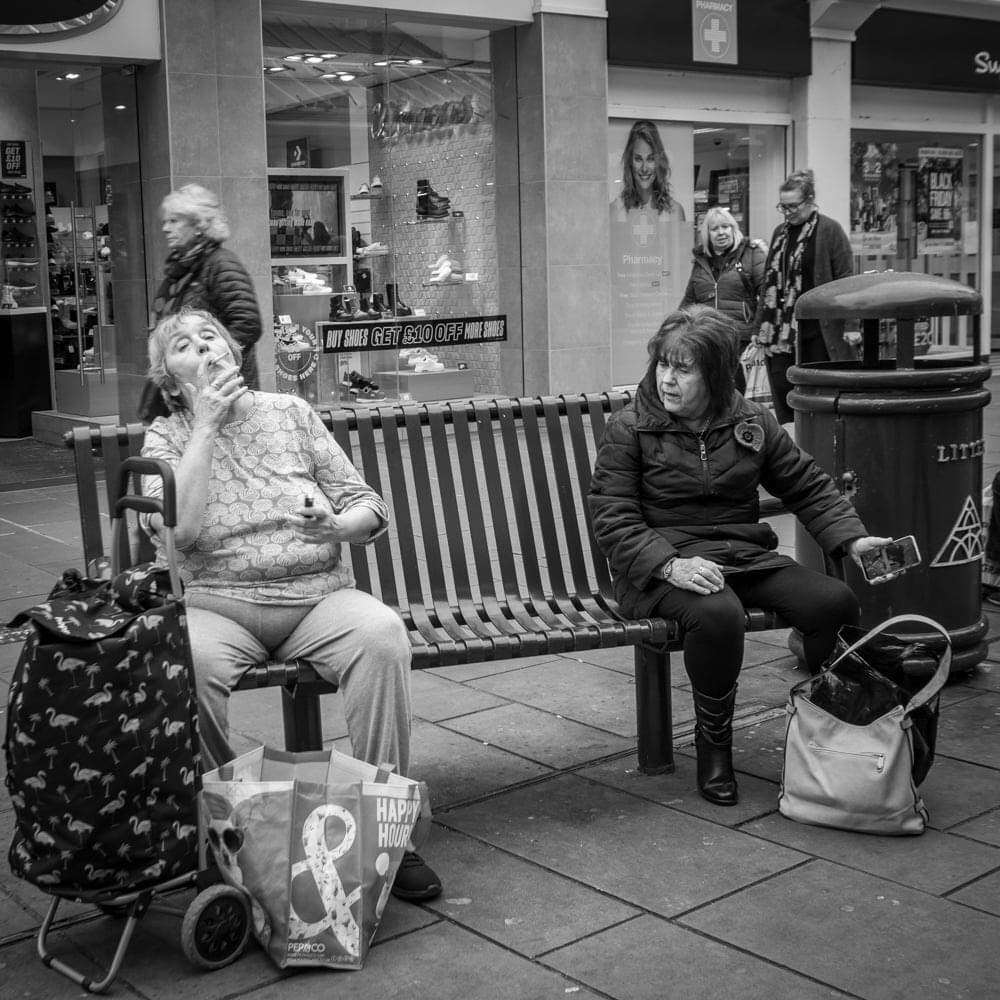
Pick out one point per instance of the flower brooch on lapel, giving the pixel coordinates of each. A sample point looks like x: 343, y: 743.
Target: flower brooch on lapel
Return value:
x: 750, y: 435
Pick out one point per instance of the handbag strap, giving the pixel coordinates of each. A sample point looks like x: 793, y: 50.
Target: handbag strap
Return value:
x: 935, y: 683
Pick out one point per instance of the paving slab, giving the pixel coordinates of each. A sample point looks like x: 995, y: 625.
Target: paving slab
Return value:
x: 651, y: 959
x: 440, y: 962
x: 970, y: 730
x: 458, y: 768
x: 680, y: 789
x: 438, y: 698
x: 515, y: 903
x: 984, y: 828
x: 591, y: 695
x: 933, y: 862
x: 540, y: 736
x: 955, y: 791
x: 469, y: 671
x: 867, y: 936
x: 628, y: 847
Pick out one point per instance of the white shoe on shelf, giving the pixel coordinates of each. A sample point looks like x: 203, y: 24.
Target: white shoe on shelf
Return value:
x: 376, y: 185
x: 428, y: 365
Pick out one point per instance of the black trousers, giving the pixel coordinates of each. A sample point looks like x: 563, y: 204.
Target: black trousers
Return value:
x: 811, y: 347
x: 714, y: 625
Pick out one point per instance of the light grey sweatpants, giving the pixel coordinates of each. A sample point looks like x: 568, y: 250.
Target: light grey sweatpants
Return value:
x: 350, y: 638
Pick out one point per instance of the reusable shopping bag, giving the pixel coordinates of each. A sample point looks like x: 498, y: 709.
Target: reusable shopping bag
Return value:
x: 101, y: 739
x: 753, y: 361
x: 857, y: 741
x: 315, y: 839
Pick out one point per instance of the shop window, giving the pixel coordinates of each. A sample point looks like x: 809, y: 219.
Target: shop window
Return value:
x: 915, y: 207
x: 382, y: 208
x: 656, y: 211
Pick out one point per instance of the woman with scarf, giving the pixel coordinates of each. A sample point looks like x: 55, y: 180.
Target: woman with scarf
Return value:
x: 201, y: 273
x: 807, y: 250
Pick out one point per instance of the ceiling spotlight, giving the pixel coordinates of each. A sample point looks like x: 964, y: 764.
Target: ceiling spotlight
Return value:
x: 314, y: 59
x: 119, y: 107
x: 294, y: 58
x: 275, y: 69
x: 381, y: 62
x: 347, y: 77
x: 329, y: 55
x: 414, y: 62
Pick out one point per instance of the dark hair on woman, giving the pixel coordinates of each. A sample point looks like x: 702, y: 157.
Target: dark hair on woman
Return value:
x: 801, y: 180
x: 710, y: 339
x: 661, y: 199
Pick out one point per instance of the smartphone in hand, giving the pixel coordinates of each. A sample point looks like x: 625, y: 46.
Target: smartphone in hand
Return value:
x: 891, y: 560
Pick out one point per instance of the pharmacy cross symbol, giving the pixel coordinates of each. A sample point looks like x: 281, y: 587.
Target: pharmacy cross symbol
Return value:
x: 642, y: 229
x: 715, y: 36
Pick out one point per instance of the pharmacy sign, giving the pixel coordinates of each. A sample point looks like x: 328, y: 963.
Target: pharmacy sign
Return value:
x: 714, y: 34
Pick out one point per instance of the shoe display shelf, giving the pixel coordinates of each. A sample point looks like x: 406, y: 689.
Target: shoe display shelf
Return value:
x: 20, y: 257
x: 449, y: 383
x: 81, y: 310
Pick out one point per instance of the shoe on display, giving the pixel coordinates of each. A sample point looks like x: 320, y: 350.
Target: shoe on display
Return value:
x: 14, y: 190
x: 356, y: 239
x: 23, y: 262
x: 415, y: 880
x: 376, y: 185
x: 378, y: 304
x: 394, y: 302
x: 428, y: 366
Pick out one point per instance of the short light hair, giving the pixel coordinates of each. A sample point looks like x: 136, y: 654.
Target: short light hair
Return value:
x: 715, y: 214
x: 159, y: 343
x: 202, y: 207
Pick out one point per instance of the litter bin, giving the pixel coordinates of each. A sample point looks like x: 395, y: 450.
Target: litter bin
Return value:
x: 903, y: 438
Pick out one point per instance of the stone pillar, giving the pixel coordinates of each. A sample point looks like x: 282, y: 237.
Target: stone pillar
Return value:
x: 562, y: 127
x: 202, y: 115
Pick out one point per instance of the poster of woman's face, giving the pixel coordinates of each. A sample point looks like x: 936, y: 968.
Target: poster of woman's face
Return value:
x: 651, y: 195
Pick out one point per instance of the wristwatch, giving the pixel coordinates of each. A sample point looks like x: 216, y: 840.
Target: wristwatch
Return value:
x: 668, y: 568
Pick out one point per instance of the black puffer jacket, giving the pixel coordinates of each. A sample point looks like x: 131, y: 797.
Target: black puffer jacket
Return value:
x: 219, y: 283
x: 660, y: 490
x: 735, y: 290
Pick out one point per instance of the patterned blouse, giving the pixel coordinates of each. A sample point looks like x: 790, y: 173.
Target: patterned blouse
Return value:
x: 263, y: 467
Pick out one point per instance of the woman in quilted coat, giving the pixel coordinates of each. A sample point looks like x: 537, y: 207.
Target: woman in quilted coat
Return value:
x: 201, y: 273
x: 727, y: 274
x: 675, y: 508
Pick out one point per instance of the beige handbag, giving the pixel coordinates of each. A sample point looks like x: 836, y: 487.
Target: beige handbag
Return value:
x: 858, y: 777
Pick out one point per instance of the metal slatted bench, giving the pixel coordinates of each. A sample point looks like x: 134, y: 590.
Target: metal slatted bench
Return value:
x: 489, y: 555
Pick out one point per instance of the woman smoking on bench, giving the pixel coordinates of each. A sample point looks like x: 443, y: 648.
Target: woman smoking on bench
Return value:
x: 265, y: 500
x: 674, y: 503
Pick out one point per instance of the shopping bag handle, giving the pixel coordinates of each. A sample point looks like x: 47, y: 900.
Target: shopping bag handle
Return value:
x: 933, y: 686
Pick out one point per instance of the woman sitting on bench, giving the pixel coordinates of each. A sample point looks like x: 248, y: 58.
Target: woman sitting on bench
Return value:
x: 265, y: 500
x: 674, y: 502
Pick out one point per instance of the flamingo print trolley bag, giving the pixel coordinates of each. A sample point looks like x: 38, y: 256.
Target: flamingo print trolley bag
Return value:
x: 102, y: 740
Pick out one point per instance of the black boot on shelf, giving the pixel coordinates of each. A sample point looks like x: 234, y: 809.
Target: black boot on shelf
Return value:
x: 713, y: 741
x: 367, y: 307
x: 430, y: 204
x: 379, y: 304
x: 397, y: 306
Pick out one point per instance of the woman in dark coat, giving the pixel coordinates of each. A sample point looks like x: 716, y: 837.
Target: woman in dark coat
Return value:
x: 675, y: 508
x: 727, y: 274
x: 201, y: 273
x: 807, y: 250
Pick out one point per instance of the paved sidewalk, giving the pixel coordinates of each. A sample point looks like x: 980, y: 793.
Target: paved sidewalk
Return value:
x: 568, y: 874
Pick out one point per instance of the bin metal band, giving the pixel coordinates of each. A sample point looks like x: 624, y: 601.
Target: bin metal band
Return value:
x: 906, y: 380
x: 862, y: 403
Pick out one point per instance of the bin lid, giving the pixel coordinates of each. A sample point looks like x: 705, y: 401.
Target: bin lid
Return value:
x: 889, y: 294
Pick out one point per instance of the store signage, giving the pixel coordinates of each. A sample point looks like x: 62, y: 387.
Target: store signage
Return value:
x: 768, y: 37
x: 26, y: 20
x: 714, y: 31
x: 393, y: 334
x: 13, y: 158
x: 295, y: 353
x: 911, y: 49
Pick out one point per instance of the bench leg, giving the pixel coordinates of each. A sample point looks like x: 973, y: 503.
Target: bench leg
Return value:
x: 302, y: 720
x: 653, y: 710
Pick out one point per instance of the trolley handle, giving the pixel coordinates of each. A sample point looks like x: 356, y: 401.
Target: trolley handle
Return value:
x: 165, y: 507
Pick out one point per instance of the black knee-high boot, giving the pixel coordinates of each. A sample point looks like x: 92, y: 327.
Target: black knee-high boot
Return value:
x: 713, y: 741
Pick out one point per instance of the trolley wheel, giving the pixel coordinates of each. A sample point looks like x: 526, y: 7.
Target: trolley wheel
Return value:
x: 216, y: 927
